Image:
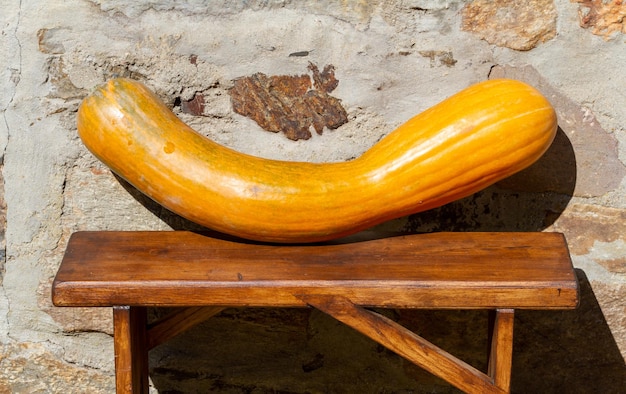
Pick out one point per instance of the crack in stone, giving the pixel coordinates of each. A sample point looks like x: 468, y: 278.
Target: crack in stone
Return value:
x: 15, y: 78
x: 16, y: 74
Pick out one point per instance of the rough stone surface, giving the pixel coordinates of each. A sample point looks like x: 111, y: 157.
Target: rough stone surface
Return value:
x: 31, y: 368
x: 606, y: 18
x: 588, y: 224
x: 3, y: 224
x: 73, y: 320
x: 517, y: 24
x: 394, y: 59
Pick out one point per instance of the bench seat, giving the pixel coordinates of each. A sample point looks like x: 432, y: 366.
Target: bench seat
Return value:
x: 133, y: 270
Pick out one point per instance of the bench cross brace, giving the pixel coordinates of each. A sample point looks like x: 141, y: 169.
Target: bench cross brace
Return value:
x: 423, y: 353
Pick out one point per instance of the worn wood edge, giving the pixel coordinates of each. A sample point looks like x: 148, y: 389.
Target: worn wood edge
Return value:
x: 365, y: 238
x: 61, y: 291
x: 562, y: 286
x: 560, y: 296
x: 433, y: 299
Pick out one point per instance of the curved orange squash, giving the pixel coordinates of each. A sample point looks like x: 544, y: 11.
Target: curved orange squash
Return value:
x: 458, y: 147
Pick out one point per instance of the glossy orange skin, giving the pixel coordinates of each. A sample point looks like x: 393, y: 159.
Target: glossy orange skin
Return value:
x: 456, y: 148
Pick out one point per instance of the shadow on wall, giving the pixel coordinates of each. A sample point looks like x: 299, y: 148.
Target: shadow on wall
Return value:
x: 268, y: 350
x: 530, y: 200
x: 567, y: 351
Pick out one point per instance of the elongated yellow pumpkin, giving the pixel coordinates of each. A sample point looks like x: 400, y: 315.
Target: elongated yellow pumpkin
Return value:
x: 458, y: 147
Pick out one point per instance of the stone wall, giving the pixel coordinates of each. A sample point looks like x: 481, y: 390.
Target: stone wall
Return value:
x: 390, y: 60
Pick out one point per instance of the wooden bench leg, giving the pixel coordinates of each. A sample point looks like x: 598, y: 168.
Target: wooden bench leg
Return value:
x: 501, y: 354
x: 134, y: 337
x: 131, y: 353
x: 421, y: 352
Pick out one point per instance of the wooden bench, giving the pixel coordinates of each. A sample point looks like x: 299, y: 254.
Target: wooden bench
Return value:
x: 131, y: 271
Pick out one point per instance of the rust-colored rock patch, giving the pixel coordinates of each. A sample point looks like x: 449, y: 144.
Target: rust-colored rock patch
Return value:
x: 195, y: 106
x: 290, y: 103
x: 605, y: 18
